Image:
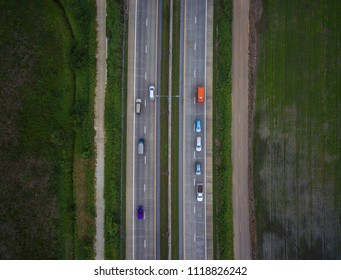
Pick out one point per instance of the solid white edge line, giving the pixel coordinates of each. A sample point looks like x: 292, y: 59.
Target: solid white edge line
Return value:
x: 205, y: 128
x: 134, y: 133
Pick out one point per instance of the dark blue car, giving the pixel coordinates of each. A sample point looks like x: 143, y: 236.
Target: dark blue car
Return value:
x: 140, y: 212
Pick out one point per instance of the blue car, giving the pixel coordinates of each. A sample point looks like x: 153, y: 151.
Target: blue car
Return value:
x: 140, y: 212
x: 197, y: 126
x: 198, y: 168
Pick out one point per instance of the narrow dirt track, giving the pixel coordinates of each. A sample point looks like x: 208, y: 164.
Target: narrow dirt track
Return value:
x: 101, y: 79
x: 240, y: 81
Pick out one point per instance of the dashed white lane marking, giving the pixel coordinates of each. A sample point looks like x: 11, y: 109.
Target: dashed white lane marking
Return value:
x: 194, y: 155
x: 144, y: 187
x: 145, y: 129
x: 195, y: 19
x: 195, y: 46
x: 195, y: 238
x: 145, y: 49
x: 146, y: 21
x: 194, y: 181
x: 145, y: 75
x: 194, y: 73
x: 193, y: 100
x: 194, y: 210
x: 145, y: 103
x: 145, y: 159
x: 144, y: 243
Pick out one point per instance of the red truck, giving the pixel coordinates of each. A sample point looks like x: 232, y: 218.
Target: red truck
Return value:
x: 201, y: 94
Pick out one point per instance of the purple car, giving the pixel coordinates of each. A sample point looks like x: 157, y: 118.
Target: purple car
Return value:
x: 140, y: 212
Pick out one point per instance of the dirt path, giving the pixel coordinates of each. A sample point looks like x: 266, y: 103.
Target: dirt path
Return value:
x: 101, y: 78
x: 240, y: 44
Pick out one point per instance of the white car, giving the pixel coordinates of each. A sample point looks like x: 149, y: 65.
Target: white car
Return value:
x: 198, y: 144
x: 151, y: 92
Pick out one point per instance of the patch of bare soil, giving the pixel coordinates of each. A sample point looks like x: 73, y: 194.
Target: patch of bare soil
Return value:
x: 83, y: 219
x: 254, y: 18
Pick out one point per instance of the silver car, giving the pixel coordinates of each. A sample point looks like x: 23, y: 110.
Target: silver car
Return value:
x: 138, y: 106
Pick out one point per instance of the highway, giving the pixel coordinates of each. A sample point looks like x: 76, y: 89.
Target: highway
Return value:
x: 144, y: 126
x: 142, y: 235
x: 192, y: 213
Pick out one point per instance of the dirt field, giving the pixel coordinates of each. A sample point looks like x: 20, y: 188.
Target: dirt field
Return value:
x: 297, y: 131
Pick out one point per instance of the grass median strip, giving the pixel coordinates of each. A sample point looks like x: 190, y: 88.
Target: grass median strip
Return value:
x: 175, y: 130
x: 164, y: 133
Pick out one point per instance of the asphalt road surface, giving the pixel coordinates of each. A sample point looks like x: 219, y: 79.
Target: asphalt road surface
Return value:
x: 193, y: 213
x: 144, y: 166
x: 240, y: 43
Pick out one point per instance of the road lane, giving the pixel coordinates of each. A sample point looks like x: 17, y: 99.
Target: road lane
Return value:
x: 141, y: 235
x: 194, y: 222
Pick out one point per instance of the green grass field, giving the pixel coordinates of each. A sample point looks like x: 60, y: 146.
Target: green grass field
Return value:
x: 41, y: 127
x: 297, y: 133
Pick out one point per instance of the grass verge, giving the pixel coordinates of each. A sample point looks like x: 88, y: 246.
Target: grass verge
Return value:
x: 115, y: 137
x: 81, y: 16
x: 222, y: 119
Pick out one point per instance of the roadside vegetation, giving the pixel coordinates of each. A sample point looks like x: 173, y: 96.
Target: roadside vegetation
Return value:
x: 164, y: 132
x: 222, y: 120
x: 175, y: 130
x: 297, y: 131
x: 115, y: 112
x: 46, y: 129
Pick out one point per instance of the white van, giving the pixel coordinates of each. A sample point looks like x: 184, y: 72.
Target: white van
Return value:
x: 198, y: 144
